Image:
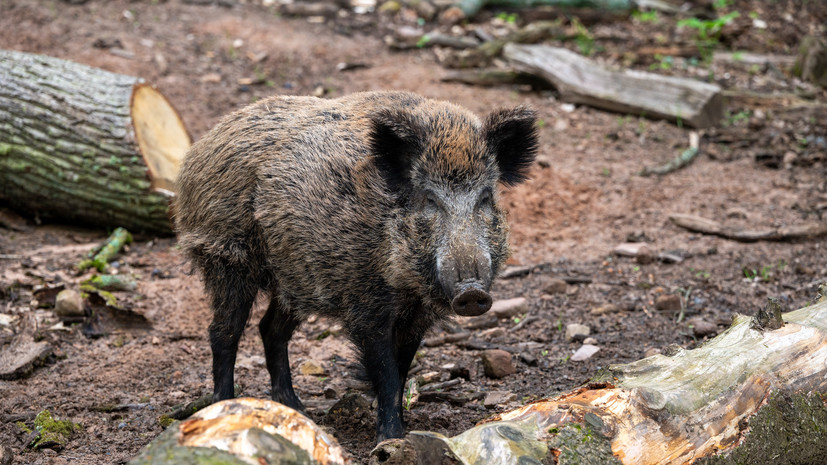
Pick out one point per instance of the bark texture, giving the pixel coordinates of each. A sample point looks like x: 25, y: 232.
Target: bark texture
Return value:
x: 86, y: 145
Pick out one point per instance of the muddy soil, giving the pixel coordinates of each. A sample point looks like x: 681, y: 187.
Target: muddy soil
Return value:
x: 762, y: 168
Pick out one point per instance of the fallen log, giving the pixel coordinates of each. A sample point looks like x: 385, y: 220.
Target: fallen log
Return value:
x: 243, y: 431
x: 706, y: 226
x: 580, y: 80
x: 472, y: 7
x: 750, y: 393
x: 83, y: 144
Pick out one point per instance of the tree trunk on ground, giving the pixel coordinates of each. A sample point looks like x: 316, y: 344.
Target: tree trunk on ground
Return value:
x: 751, y: 393
x: 580, y: 80
x: 86, y: 145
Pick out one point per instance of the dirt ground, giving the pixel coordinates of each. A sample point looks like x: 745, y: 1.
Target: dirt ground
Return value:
x: 763, y: 167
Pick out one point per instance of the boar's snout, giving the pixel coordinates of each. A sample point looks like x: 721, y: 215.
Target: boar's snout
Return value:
x: 471, y: 300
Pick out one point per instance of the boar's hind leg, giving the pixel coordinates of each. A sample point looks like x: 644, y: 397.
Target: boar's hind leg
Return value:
x: 276, y: 330
x: 232, y: 297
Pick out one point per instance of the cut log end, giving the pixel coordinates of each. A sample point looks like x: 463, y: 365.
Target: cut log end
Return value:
x: 162, y: 138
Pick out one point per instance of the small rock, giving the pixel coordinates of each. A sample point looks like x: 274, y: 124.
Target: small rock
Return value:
x: 451, y: 16
x: 555, y: 286
x: 6, y: 455
x: 68, y: 304
x: 604, y: 309
x: 510, y: 307
x: 311, y: 367
x: 390, y: 7
x: 577, y: 332
x: 585, y: 352
x: 736, y: 212
x: 497, y: 363
x: 671, y: 256
x: 350, y: 409
x: 458, y: 370
x: 330, y: 392
x: 497, y: 398
x: 590, y: 340
x: 651, y: 352
x: 639, y: 250
x: 701, y: 327
x: 7, y: 319
x: 668, y: 302
x: 211, y: 78
x: 528, y: 359
x: 426, y: 10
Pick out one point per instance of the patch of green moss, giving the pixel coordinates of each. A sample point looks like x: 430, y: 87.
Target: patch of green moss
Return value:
x: 165, y: 421
x: 53, y: 433
x: 25, y: 429
x: 790, y: 429
x: 582, y: 445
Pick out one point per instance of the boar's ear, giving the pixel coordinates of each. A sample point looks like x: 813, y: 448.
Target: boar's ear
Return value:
x: 512, y: 137
x: 396, y: 138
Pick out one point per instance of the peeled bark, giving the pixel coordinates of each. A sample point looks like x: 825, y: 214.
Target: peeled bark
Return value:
x: 86, y: 145
x: 750, y: 392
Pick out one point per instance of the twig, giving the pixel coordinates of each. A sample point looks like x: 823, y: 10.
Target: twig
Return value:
x: 523, y: 322
x: 706, y: 226
x: 107, y: 251
x: 486, y: 52
x: 448, y: 338
x: 678, y: 162
x: 439, y: 386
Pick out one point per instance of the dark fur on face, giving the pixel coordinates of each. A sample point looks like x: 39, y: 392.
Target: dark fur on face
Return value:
x: 378, y: 209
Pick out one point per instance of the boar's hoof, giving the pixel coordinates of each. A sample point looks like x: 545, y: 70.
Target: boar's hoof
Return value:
x: 472, y: 301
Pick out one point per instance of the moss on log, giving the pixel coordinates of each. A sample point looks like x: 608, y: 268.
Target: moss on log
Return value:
x: 86, y: 145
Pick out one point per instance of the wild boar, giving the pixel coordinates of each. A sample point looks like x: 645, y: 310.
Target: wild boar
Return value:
x: 380, y: 209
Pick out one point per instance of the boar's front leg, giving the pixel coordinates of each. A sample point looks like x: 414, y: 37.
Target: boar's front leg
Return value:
x: 408, y: 344
x: 377, y: 347
x: 232, y: 298
x: 276, y: 329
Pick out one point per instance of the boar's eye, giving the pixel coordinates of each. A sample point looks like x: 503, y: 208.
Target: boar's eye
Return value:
x: 486, y: 199
x: 431, y: 201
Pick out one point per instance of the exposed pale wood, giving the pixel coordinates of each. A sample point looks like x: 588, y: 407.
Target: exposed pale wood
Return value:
x: 248, y: 429
x: 581, y: 80
x: 667, y: 410
x: 707, y: 226
x: 86, y: 145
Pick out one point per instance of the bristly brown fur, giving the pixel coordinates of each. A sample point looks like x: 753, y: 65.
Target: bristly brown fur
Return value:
x: 347, y: 208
